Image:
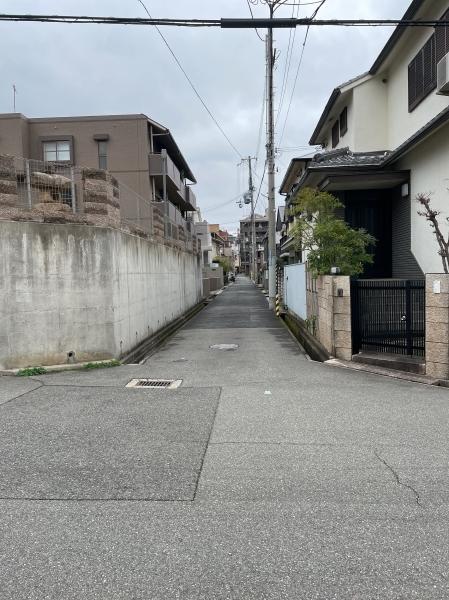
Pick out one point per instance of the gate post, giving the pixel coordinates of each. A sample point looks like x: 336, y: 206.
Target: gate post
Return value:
x: 437, y: 325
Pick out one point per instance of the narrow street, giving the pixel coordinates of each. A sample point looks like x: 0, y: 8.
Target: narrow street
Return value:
x: 264, y: 476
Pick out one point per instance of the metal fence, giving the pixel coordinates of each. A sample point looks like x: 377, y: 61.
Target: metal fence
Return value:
x: 40, y: 183
x: 388, y: 316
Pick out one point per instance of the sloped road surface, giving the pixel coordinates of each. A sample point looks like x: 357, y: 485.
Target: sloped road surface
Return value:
x: 265, y: 476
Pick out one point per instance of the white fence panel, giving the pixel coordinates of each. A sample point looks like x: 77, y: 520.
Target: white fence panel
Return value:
x: 295, y: 298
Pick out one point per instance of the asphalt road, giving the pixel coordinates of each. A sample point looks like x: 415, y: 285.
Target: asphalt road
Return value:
x: 264, y: 476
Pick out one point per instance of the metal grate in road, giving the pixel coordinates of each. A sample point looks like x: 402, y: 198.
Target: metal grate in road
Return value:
x: 168, y: 384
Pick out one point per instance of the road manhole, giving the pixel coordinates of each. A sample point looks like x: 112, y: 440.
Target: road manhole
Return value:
x: 225, y: 347
x: 167, y: 384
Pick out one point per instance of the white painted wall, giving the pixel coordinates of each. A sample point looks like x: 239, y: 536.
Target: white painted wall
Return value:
x: 401, y: 124
x: 295, y: 289
x: 429, y: 173
x: 370, y: 116
x: 96, y: 291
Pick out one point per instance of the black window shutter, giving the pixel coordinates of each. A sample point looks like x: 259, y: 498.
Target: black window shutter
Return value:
x: 422, y: 73
x: 343, y: 121
x: 442, y: 38
x: 335, y: 134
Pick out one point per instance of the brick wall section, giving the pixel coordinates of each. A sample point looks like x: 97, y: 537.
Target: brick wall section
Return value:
x: 437, y: 326
x: 333, y: 315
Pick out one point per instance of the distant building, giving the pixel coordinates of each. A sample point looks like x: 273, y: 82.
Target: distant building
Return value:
x: 245, y: 242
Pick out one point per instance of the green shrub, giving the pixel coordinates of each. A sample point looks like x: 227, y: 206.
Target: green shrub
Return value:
x: 30, y: 371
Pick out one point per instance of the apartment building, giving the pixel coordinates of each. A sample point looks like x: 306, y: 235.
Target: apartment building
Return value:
x: 261, y: 222
x: 141, y: 153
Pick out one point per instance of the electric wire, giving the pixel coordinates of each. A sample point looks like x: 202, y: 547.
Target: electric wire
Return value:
x: 252, y: 16
x: 224, y: 23
x: 291, y: 43
x: 219, y: 127
x: 297, y: 71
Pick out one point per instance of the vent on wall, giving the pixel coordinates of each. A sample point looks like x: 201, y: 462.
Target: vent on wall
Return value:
x: 167, y: 384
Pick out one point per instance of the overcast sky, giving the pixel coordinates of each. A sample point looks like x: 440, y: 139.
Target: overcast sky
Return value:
x: 62, y: 70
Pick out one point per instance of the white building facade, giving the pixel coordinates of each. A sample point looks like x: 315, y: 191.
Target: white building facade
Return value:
x: 385, y: 136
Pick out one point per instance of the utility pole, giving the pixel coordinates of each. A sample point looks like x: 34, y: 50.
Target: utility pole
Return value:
x: 271, y: 167
x: 249, y: 199
x: 253, y: 222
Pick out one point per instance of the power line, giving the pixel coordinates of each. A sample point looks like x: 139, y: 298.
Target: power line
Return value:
x: 218, y: 206
x: 288, y: 62
x: 219, y: 127
x: 237, y: 23
x: 260, y: 186
x: 252, y: 16
x: 298, y: 70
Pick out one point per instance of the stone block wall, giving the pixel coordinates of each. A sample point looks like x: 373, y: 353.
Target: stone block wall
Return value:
x: 330, y: 311
x: 101, y: 198
x: 437, y: 325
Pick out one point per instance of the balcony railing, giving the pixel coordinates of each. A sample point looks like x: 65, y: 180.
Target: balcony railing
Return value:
x: 177, y: 192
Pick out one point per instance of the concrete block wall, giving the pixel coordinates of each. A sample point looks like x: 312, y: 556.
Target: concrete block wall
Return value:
x: 437, y: 325
x: 331, y: 308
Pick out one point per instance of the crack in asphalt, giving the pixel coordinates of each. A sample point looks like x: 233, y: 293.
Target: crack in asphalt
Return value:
x: 23, y: 394
x: 398, y: 479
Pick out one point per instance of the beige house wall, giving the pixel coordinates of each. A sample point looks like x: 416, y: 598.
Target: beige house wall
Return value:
x: 437, y: 325
x: 329, y: 314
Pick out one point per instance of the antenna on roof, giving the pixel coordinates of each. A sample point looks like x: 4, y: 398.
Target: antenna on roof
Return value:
x: 14, y: 91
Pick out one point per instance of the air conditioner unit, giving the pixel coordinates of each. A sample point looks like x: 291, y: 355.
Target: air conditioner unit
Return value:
x: 443, y: 76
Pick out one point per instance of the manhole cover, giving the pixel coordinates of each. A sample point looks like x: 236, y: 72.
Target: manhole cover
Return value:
x: 224, y: 347
x: 168, y: 384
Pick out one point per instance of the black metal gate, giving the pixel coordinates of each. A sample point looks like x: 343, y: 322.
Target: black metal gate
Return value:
x: 388, y: 316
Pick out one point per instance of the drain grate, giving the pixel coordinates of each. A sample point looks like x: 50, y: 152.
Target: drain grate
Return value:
x: 168, y: 384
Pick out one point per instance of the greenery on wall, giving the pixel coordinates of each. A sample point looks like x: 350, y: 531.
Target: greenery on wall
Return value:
x: 327, y: 239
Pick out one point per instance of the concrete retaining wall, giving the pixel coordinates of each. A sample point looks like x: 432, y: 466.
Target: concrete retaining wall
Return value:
x: 95, y: 291
x: 213, y: 280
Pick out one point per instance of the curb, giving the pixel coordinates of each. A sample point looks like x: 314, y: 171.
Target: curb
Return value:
x: 392, y: 373
x: 57, y: 368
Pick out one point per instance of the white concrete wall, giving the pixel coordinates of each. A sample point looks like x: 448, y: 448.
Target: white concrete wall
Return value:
x: 370, y: 116
x: 295, y: 289
x: 96, y: 291
x: 429, y: 174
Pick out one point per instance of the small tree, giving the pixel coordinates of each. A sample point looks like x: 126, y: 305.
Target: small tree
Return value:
x: 431, y: 215
x: 329, y: 241
x: 225, y: 263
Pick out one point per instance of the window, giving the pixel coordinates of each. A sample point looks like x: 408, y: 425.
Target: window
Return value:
x: 335, y: 134
x: 343, y: 121
x: 442, y: 39
x: 422, y: 74
x: 422, y: 71
x: 102, y: 155
x: 57, y: 151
